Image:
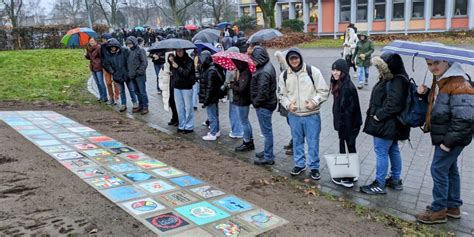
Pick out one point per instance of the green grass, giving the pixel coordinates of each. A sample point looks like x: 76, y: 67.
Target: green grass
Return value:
x: 328, y: 43
x: 57, y: 75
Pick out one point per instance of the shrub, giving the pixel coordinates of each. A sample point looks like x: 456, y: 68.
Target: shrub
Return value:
x: 247, y: 22
x: 294, y: 25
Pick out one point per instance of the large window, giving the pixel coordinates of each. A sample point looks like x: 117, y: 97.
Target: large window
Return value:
x: 345, y: 15
x: 361, y: 10
x: 418, y: 9
x: 460, y: 7
x: 439, y: 8
x: 398, y: 9
x: 379, y: 10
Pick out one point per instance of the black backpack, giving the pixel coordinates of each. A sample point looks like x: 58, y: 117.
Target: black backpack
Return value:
x: 282, y: 110
x: 416, y: 107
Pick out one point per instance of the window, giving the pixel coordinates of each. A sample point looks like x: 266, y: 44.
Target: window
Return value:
x: 439, y: 8
x: 418, y: 9
x: 398, y: 9
x: 361, y: 10
x: 379, y: 10
x: 460, y: 7
x: 345, y: 14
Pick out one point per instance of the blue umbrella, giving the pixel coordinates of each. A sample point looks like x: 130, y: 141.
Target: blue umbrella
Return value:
x: 206, y: 46
x: 223, y: 25
x: 431, y: 50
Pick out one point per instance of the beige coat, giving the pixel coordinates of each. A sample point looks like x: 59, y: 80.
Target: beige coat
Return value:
x: 164, y: 79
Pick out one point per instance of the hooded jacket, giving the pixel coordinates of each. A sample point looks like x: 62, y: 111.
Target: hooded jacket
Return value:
x: 104, y: 53
x: 183, y: 77
x: 211, y: 81
x: 241, y: 85
x: 452, y: 115
x: 117, y: 62
x: 350, y: 39
x: 93, y: 55
x: 346, y: 108
x: 137, y: 61
x: 388, y: 99
x: 263, y: 84
x: 365, y: 47
x: 300, y: 88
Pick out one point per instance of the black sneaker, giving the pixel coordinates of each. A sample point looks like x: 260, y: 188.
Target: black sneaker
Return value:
x: 246, y: 146
x: 395, y: 184
x: 180, y: 130
x: 297, y: 170
x: 373, y: 189
x: 188, y: 131
x: 264, y: 162
x: 172, y: 123
x: 260, y: 155
x: 315, y: 174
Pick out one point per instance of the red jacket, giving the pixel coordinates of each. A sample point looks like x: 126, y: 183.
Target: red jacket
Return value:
x: 93, y: 54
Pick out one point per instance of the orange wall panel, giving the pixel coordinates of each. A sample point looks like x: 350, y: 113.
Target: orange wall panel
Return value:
x: 378, y: 26
x: 342, y: 27
x: 438, y: 24
x: 417, y: 25
x: 328, y: 15
x: 460, y: 23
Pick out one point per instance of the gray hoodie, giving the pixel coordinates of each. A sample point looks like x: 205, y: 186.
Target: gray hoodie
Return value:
x: 137, y: 61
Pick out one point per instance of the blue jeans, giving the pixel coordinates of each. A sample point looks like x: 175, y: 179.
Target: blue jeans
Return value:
x: 99, y: 81
x: 243, y: 115
x: 184, y: 106
x: 158, y: 68
x: 140, y: 89
x: 265, y: 121
x: 362, y: 73
x: 195, y: 94
x: 235, y: 125
x: 131, y: 91
x: 446, y: 181
x: 385, y: 150
x: 308, y: 127
x: 213, y: 116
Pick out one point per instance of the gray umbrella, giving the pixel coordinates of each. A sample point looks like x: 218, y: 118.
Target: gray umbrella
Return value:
x: 173, y: 44
x: 264, y: 35
x: 207, y: 36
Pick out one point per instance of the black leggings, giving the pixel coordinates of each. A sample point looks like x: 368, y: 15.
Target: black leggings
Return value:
x: 174, y: 112
x: 350, y: 142
x: 349, y: 62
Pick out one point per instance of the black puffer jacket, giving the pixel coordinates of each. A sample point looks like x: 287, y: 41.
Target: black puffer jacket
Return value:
x: 346, y: 108
x: 183, y: 76
x: 117, y: 62
x: 388, y: 99
x: 241, y: 85
x: 137, y: 61
x: 211, y: 81
x: 263, y: 84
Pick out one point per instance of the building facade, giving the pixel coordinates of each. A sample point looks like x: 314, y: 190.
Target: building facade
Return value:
x: 331, y: 17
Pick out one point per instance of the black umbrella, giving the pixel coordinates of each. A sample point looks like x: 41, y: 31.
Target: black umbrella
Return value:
x: 207, y: 36
x: 264, y: 35
x: 173, y: 44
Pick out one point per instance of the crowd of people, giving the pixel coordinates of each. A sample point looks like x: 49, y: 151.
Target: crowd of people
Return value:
x: 298, y: 93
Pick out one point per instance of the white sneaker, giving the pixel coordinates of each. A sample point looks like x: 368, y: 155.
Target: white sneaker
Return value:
x: 233, y: 136
x: 356, y: 75
x: 135, y: 105
x: 218, y: 134
x: 209, y: 137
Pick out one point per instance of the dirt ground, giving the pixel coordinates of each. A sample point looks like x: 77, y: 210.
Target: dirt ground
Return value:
x: 39, y: 196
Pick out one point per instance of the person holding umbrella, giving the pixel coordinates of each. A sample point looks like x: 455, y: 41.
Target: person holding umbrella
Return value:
x: 136, y: 66
x: 95, y: 65
x: 449, y: 121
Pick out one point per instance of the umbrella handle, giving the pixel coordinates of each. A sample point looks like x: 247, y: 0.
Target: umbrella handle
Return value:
x: 426, y: 74
x: 413, y: 63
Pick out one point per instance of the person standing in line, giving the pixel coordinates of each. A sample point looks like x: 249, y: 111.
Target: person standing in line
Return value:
x: 93, y: 55
x: 112, y: 87
x: 158, y: 59
x: 361, y: 57
x: 450, y: 121
x: 197, y: 69
x: 302, y: 91
x: 117, y: 66
x: 347, y: 117
x: 211, y: 82
x: 350, y: 43
x: 137, y: 63
x: 183, y: 73
x: 387, y: 101
x: 263, y: 96
x: 236, y: 130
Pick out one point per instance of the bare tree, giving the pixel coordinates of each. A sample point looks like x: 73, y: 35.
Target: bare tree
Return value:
x: 36, y: 10
x: 178, y: 9
x: 218, y: 8
x: 268, y: 11
x: 13, y: 9
x: 109, y: 7
x: 199, y: 11
x: 142, y: 10
x: 70, y: 9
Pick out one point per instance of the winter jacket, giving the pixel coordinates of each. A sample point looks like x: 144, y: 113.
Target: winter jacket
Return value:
x: 117, y: 63
x: 93, y: 55
x: 300, y: 88
x: 137, y: 61
x: 346, y: 107
x: 263, y: 84
x: 350, y: 39
x: 365, y: 47
x: 241, y: 85
x: 211, y: 81
x: 104, y: 55
x: 160, y: 60
x: 452, y: 114
x: 183, y: 77
x: 388, y: 99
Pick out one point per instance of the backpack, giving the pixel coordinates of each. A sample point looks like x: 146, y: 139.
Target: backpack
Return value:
x: 414, y: 113
x: 282, y: 110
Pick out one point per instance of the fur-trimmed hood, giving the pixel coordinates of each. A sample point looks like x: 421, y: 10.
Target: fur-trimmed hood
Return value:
x: 389, y: 65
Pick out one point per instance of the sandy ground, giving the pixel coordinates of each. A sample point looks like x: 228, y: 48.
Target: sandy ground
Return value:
x: 39, y: 196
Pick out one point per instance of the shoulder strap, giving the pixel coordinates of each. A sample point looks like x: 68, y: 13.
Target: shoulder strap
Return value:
x: 468, y: 77
x: 285, y: 75
x: 310, y: 72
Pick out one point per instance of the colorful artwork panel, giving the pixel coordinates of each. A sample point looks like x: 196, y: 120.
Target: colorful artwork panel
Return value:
x: 207, y: 191
x: 143, y: 206
x: 123, y: 167
x: 233, y: 204
x: 158, y: 186
x: 167, y: 222
x: 123, y: 193
x: 68, y: 155
x: 150, y: 164
x: 202, y: 213
x: 168, y: 172
x: 185, y: 181
x: 108, y: 181
x: 178, y: 198
x: 139, y: 176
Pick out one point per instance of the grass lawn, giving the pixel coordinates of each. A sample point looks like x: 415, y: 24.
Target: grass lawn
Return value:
x: 58, y: 75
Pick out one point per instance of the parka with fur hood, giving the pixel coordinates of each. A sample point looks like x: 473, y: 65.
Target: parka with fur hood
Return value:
x: 388, y: 99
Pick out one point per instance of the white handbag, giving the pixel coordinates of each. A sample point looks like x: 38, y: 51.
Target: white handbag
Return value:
x: 343, y: 165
